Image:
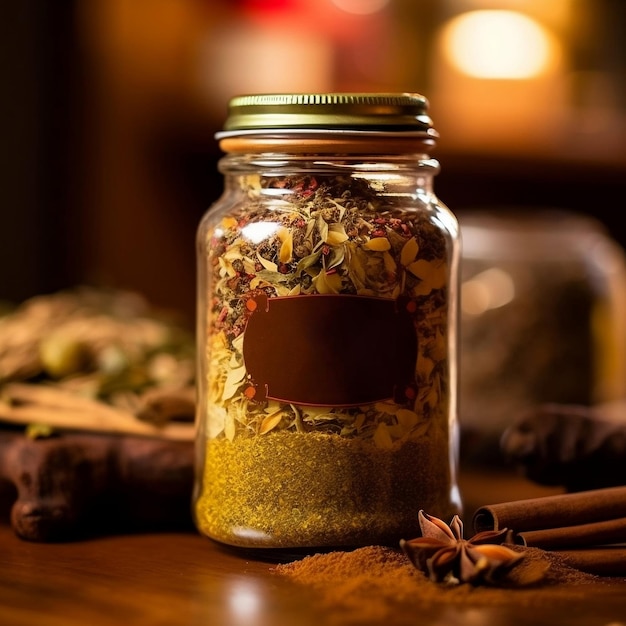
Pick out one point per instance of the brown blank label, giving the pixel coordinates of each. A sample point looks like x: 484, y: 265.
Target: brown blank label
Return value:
x: 330, y: 350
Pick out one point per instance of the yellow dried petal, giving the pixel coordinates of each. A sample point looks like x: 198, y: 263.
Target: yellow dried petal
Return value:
x: 409, y: 251
x: 390, y: 263
x: 327, y: 283
x: 423, y: 289
x: 281, y: 290
x: 378, y: 244
x: 216, y: 420
x: 230, y: 427
x: 286, y: 251
x: 248, y: 265
x: 233, y: 381
x: 336, y: 235
x: 406, y: 418
x: 434, y: 274
x: 232, y: 254
x: 238, y: 344
x: 386, y: 407
x: 227, y: 267
x: 421, y: 269
x: 425, y: 366
x: 359, y: 420
x: 270, y: 422
x: 268, y: 265
x: 229, y: 222
x: 382, y: 437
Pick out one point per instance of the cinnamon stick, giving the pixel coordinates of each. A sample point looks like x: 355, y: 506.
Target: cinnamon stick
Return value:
x: 579, y: 535
x: 562, y: 510
x: 602, y: 561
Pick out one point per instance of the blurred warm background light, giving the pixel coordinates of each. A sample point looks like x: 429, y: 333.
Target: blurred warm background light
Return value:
x: 115, y: 103
x: 490, y: 289
x: 498, y: 44
x: 266, y: 59
x: 361, y: 7
x: 500, y: 76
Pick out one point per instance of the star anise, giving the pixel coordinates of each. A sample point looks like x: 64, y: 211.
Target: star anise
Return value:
x: 445, y: 556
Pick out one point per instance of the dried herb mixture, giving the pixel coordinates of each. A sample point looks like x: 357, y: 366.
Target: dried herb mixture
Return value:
x: 327, y: 236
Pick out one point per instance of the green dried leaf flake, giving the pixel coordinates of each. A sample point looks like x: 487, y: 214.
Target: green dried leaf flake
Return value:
x: 307, y: 262
x: 322, y: 228
x: 335, y: 258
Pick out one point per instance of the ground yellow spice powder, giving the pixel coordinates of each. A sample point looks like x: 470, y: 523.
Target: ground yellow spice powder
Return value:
x: 374, y: 582
x: 312, y: 490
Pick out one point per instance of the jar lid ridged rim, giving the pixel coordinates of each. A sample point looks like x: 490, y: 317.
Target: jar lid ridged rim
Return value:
x: 366, y: 112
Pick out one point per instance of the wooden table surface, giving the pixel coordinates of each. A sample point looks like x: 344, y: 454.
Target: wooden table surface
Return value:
x: 181, y: 578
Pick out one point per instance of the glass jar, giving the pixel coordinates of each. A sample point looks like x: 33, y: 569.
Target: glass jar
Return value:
x: 543, y: 319
x: 327, y: 326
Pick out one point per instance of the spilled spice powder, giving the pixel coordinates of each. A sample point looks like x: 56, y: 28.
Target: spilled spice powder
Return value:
x: 373, y: 582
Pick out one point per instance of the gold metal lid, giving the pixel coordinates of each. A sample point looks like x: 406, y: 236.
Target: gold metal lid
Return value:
x: 401, y: 113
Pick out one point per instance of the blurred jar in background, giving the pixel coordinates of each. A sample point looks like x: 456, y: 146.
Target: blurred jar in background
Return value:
x: 543, y: 319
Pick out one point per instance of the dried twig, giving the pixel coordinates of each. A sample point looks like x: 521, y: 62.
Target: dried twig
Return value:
x: 41, y: 404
